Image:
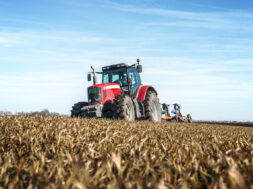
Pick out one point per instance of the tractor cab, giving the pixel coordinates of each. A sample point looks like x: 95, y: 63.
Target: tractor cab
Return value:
x: 126, y: 76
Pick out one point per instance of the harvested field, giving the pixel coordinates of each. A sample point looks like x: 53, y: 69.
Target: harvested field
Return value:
x: 62, y: 152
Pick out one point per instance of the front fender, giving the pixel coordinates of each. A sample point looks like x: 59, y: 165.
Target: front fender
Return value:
x: 142, y: 91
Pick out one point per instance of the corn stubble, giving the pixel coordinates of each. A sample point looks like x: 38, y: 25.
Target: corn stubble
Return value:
x: 62, y: 152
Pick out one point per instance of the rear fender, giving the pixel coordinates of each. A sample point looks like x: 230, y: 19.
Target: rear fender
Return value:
x: 142, y: 91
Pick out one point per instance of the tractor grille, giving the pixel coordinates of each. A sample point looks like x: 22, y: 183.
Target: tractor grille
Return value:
x: 94, y: 95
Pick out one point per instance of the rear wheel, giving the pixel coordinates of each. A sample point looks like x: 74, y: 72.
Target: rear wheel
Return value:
x: 76, y: 109
x: 124, y: 108
x: 152, y: 107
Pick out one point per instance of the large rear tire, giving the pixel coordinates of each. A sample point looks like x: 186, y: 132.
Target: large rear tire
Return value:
x: 124, y: 108
x: 76, y: 109
x: 152, y: 107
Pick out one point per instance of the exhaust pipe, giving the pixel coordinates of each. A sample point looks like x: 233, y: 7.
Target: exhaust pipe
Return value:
x: 94, y: 76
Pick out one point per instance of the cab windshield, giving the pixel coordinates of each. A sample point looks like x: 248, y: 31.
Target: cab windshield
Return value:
x: 116, y: 76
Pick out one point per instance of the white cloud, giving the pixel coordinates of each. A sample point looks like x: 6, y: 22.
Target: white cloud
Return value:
x: 198, y: 16
x: 9, y: 40
x: 129, y: 7
x: 207, y: 25
x: 29, y: 37
x: 31, y: 91
x: 226, y: 20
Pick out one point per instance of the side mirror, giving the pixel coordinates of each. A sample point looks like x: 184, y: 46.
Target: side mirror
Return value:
x: 89, y: 76
x: 139, y: 68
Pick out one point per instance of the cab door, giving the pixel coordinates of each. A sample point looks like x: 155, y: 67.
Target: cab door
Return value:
x: 136, y: 81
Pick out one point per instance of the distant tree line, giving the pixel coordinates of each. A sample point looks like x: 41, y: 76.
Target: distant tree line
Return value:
x: 5, y: 113
x: 44, y: 112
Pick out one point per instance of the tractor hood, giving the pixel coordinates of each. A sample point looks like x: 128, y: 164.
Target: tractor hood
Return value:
x: 106, y: 86
x: 107, y: 92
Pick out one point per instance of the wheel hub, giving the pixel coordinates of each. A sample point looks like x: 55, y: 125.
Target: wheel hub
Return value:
x: 154, y: 111
x: 128, y: 111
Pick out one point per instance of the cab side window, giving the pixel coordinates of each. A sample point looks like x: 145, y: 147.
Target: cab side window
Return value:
x: 136, y: 82
x: 131, y: 76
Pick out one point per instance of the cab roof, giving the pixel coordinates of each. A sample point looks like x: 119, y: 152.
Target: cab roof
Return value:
x: 115, y: 66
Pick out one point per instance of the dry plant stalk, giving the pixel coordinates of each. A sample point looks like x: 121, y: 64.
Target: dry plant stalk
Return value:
x: 63, y: 152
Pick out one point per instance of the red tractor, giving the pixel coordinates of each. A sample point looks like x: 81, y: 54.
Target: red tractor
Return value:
x: 121, y: 95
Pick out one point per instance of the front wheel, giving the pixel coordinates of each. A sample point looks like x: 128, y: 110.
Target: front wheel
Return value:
x: 76, y: 109
x: 124, y: 108
x: 152, y: 107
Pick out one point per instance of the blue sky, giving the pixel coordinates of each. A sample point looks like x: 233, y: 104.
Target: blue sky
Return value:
x: 197, y: 53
